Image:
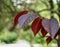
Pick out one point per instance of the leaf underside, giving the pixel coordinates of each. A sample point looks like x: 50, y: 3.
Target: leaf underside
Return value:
x: 51, y: 26
x: 18, y: 15
x: 27, y: 18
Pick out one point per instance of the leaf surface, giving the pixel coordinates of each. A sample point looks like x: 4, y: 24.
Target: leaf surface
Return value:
x: 51, y: 26
x: 54, y: 27
x: 46, y: 25
x: 44, y: 32
x: 27, y: 18
x: 48, y: 40
x: 18, y: 15
x: 36, y: 25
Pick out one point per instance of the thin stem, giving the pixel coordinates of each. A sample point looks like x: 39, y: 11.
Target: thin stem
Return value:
x: 44, y: 3
x: 51, y: 7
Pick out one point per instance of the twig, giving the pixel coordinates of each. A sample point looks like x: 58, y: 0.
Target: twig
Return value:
x: 43, y: 10
x: 44, y: 3
x: 51, y: 7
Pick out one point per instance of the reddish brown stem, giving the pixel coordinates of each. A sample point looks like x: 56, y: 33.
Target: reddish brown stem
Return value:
x: 58, y: 41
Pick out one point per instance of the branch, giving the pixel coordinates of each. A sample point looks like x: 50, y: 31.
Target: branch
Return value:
x: 44, y: 3
x: 43, y: 10
x: 51, y: 7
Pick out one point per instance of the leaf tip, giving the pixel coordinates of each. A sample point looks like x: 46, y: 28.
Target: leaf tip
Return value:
x: 48, y: 40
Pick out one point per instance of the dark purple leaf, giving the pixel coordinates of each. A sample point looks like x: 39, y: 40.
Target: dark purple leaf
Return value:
x: 27, y: 18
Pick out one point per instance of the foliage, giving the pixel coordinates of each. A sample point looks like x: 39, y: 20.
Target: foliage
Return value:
x: 10, y: 8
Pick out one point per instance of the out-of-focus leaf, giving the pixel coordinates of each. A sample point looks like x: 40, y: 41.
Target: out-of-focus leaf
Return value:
x: 54, y: 27
x: 27, y: 18
x: 51, y: 26
x: 48, y: 40
x: 36, y: 25
x: 46, y: 25
x: 44, y: 32
x: 18, y: 15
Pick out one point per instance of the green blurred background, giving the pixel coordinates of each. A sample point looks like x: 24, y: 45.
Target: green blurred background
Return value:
x: 11, y: 34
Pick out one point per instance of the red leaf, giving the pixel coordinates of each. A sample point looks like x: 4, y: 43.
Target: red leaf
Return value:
x: 36, y: 25
x: 18, y: 15
x: 44, y: 32
x: 48, y: 40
